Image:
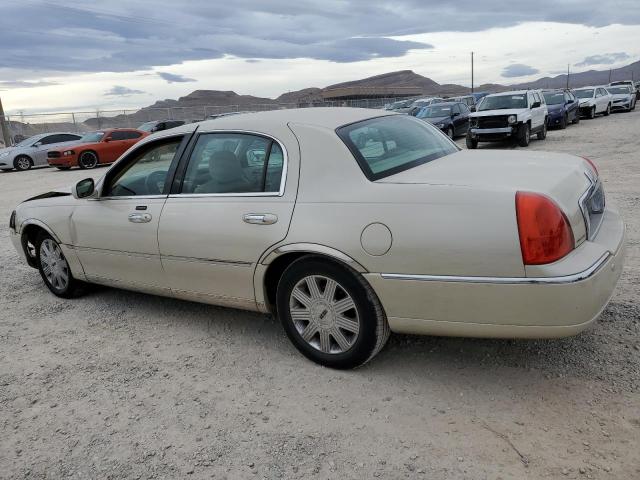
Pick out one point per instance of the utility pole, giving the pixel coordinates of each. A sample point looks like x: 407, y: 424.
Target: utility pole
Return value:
x: 567, y: 76
x: 609, y: 75
x: 4, y: 127
x: 471, y: 72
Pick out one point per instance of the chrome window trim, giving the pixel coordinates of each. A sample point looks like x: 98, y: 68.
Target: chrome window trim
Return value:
x: 128, y: 197
x: 582, y: 202
x: 283, y: 179
x: 576, y: 277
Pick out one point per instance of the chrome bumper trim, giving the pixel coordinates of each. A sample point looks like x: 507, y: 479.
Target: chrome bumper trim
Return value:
x: 576, y: 277
x: 480, y: 131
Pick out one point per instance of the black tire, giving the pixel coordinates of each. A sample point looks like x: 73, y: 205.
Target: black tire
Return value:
x: 524, y: 135
x: 592, y: 113
x: 72, y: 288
x: 88, y: 160
x: 22, y: 163
x: 451, y: 133
x: 576, y: 118
x: 564, y: 122
x: 63, y: 168
x: 373, y: 329
x: 472, y: 143
x: 607, y: 111
x: 542, y: 134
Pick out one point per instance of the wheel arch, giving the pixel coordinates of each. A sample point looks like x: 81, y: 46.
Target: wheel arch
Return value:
x: 275, y: 262
x: 22, y: 155
x: 29, y: 231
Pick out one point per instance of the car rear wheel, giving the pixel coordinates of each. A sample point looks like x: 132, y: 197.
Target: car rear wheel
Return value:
x: 54, y: 268
x: 22, y: 163
x: 524, y: 135
x: 88, y: 160
x: 472, y: 143
x: 330, y: 313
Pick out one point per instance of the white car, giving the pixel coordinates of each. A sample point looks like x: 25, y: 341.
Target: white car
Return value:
x: 593, y: 101
x: 291, y: 212
x: 623, y: 97
x: 509, y: 115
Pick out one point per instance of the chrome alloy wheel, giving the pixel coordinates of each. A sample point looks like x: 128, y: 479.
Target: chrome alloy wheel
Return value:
x: 23, y: 163
x: 54, y: 265
x: 324, y: 314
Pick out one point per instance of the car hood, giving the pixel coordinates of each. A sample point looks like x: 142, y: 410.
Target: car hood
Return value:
x: 61, y: 147
x: 585, y: 100
x: 555, y: 107
x: 493, y: 113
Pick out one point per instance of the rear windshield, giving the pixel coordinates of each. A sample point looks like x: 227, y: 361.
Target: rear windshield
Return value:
x: 385, y: 146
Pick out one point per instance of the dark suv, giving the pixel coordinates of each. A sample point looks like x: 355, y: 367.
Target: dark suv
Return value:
x: 563, y: 108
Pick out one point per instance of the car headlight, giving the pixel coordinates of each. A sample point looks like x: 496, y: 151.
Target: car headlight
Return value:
x: 512, y: 119
x: 440, y: 125
x: 66, y: 153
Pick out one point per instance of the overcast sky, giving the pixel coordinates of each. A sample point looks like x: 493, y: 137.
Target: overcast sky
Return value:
x: 60, y: 55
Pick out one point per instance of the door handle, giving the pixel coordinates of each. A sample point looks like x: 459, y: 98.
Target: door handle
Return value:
x: 260, y: 218
x: 139, y: 217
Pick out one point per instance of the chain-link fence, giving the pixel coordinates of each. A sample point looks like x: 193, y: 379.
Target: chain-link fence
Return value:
x: 22, y: 126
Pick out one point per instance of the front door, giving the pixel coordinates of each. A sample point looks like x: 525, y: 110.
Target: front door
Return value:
x: 116, y: 235
x: 230, y: 208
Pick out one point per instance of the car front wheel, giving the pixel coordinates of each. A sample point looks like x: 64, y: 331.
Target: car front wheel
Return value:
x: 22, y: 163
x: 542, y: 134
x: 607, y: 111
x: 330, y: 314
x: 472, y: 143
x: 524, y: 135
x: 88, y: 160
x: 54, y: 268
x: 450, y: 132
x: 592, y: 113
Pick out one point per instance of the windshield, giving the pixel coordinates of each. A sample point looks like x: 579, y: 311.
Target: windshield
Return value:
x: 619, y: 90
x: 435, y: 111
x: 92, y: 137
x: 147, y: 127
x: 584, y: 93
x: 554, y: 98
x: 385, y: 146
x: 29, y: 141
x: 503, y: 102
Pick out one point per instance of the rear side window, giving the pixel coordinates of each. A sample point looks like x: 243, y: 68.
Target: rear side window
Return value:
x: 385, y: 146
x: 124, y: 135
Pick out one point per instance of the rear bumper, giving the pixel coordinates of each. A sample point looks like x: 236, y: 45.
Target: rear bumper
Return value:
x: 530, y: 307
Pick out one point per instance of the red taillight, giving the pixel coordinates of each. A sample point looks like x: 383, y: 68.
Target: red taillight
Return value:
x: 545, y: 233
x: 593, y: 165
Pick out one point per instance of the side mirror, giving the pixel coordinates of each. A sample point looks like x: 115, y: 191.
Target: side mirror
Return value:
x: 455, y: 114
x: 569, y: 101
x: 535, y: 104
x: 84, y: 188
x: 108, y: 139
x: 37, y: 145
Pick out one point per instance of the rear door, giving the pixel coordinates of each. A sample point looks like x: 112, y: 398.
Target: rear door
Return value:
x: 228, y: 208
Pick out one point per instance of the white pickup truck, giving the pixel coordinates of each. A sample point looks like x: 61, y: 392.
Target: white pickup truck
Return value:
x: 509, y: 115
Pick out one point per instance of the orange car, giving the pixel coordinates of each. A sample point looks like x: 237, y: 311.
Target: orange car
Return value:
x: 103, y: 146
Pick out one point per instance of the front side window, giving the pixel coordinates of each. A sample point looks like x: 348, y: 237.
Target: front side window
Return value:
x: 234, y: 163
x: 385, y: 146
x: 503, y: 102
x: 124, y: 135
x: 146, y: 173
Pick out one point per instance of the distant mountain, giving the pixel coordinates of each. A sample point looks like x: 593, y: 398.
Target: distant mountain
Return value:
x: 402, y: 78
x: 582, y: 79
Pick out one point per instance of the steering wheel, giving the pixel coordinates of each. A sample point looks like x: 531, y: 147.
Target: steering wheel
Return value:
x: 155, y: 182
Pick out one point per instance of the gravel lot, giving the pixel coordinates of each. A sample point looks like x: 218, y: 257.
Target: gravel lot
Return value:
x: 124, y: 385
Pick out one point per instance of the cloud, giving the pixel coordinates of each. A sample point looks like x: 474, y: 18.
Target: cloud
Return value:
x: 120, y: 91
x: 11, y: 84
x: 77, y: 36
x: 174, y: 78
x: 518, y: 70
x: 604, y: 59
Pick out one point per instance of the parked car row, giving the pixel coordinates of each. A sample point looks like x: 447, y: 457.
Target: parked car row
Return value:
x: 65, y: 150
x: 518, y: 115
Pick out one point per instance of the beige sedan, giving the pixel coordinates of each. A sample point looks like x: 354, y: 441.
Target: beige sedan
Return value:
x: 345, y: 223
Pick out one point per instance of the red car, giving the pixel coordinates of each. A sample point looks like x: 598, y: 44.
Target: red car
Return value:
x: 95, y: 148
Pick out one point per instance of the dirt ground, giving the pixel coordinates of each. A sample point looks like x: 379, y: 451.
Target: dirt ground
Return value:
x: 124, y: 385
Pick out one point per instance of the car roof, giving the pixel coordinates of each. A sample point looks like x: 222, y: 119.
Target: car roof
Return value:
x: 511, y: 92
